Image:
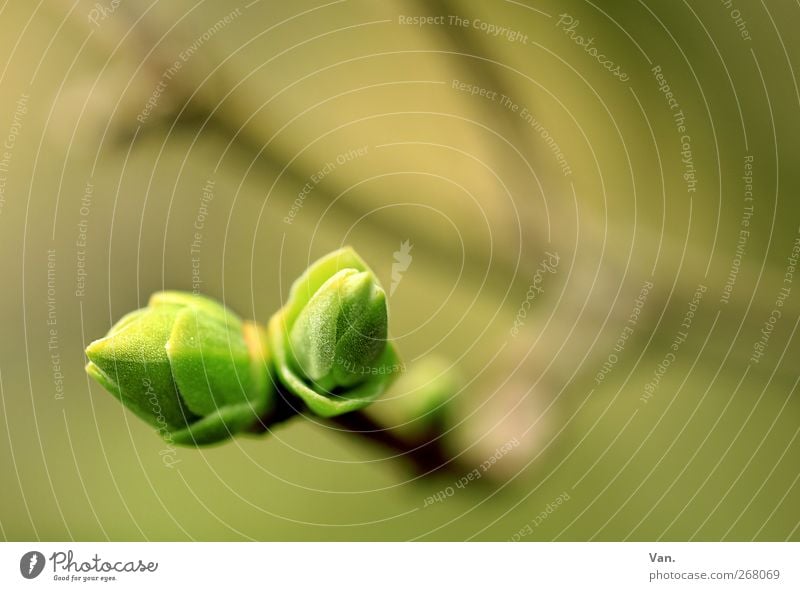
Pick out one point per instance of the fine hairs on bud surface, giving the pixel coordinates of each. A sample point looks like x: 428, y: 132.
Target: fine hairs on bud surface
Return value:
x: 186, y: 365
x: 341, y: 331
x: 199, y: 374
x: 329, y: 343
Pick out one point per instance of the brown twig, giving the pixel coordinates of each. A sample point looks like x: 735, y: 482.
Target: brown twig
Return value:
x: 425, y: 453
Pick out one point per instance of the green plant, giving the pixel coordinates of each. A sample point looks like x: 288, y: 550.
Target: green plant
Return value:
x: 328, y: 342
x: 186, y: 365
x: 198, y: 373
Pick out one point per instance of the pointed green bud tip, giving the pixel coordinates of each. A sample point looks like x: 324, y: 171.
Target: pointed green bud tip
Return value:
x: 330, y: 339
x: 186, y: 365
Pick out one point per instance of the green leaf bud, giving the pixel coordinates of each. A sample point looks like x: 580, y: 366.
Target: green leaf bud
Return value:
x: 330, y: 339
x: 186, y: 365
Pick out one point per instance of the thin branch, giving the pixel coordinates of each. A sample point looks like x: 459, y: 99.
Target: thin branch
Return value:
x: 426, y: 454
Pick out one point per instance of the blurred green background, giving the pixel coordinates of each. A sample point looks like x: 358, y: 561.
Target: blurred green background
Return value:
x: 116, y: 115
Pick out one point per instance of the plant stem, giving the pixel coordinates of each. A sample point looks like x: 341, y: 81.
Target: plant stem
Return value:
x: 426, y: 454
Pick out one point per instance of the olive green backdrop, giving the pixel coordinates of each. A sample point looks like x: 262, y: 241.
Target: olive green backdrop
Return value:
x: 225, y: 145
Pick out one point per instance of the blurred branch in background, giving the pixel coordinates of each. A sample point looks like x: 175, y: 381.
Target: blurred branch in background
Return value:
x: 184, y: 150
